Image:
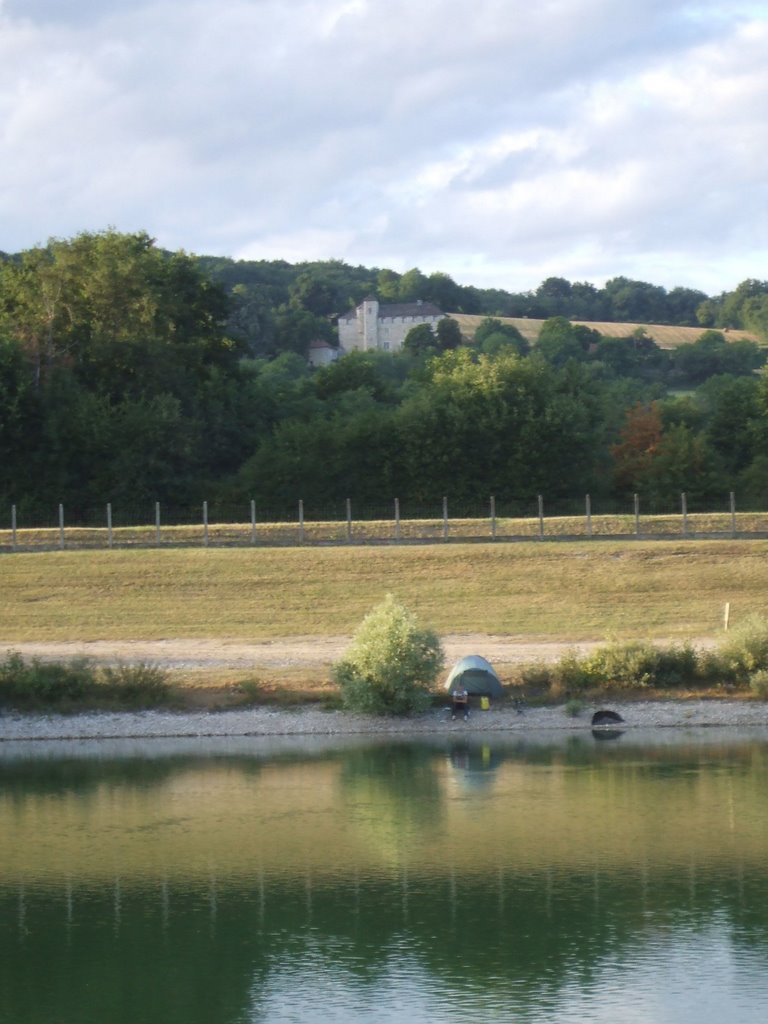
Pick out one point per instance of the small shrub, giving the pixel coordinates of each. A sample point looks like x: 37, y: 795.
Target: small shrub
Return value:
x: 536, y: 676
x: 758, y: 683
x: 744, y: 650
x: 252, y: 690
x: 392, y: 663
x: 574, y: 707
x: 39, y: 684
x: 135, y: 686
x: 569, y: 675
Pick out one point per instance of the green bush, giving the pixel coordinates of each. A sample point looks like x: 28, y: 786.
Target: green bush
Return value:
x: 758, y: 683
x: 138, y: 685
x: 744, y: 650
x: 629, y: 666
x: 392, y: 663
x: 574, y: 707
x: 38, y: 685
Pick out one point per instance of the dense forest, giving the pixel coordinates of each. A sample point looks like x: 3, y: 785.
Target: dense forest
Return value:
x: 133, y: 375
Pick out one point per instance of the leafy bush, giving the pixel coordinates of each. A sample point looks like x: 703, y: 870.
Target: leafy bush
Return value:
x: 574, y: 707
x: 138, y: 685
x: 625, y: 667
x: 77, y: 683
x: 758, y: 683
x: 744, y: 650
x: 392, y: 663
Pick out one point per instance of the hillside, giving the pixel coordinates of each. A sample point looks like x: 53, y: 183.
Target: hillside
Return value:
x: 664, y: 336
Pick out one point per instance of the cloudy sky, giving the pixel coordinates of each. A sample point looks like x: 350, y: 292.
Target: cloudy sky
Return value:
x: 501, y: 141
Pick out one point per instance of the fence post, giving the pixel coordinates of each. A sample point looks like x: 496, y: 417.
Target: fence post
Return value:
x: 349, y: 520
x: 397, y: 519
x: 637, y: 515
x: 733, y: 514
x: 493, y: 517
x: 157, y: 522
x: 205, y: 524
x: 541, y: 516
x: 301, y: 521
x: 61, y: 527
x: 684, y: 506
x: 253, y: 521
x: 109, y: 524
x: 445, y: 519
x: 588, y: 508
x: 13, y: 527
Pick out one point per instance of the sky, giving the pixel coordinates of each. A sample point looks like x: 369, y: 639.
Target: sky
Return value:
x: 499, y: 141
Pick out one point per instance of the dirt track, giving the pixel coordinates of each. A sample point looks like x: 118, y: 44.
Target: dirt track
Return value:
x: 287, y: 652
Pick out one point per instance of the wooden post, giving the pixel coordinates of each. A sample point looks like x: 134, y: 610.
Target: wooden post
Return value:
x: 157, y: 522
x: 541, y: 515
x: 349, y: 520
x: 205, y: 524
x: 684, y: 506
x: 301, y: 521
x: 445, y: 519
x: 397, y: 519
x: 13, y: 527
x: 733, y: 514
x: 61, y: 527
x: 493, y: 517
x: 109, y: 524
x: 726, y: 615
x: 588, y: 509
x: 637, y: 515
x: 253, y: 521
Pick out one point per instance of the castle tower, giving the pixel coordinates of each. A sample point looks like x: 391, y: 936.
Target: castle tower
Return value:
x: 370, y: 317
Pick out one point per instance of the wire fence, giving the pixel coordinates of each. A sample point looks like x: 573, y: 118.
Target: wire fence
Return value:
x: 220, y: 525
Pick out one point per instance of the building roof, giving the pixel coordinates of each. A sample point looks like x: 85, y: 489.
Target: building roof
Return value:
x: 393, y: 309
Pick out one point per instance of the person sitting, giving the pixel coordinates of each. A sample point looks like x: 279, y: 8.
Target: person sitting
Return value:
x: 459, y: 701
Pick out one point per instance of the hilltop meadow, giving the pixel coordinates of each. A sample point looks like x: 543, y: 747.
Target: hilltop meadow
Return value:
x: 134, y: 603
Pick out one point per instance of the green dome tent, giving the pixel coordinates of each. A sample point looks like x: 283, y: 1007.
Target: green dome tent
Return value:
x: 477, y: 677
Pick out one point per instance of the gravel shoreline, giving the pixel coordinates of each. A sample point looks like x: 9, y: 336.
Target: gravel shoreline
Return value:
x: 314, y: 722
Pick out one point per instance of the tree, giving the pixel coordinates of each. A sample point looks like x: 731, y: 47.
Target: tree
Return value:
x: 448, y: 334
x: 392, y: 664
x: 420, y: 340
x: 493, y: 336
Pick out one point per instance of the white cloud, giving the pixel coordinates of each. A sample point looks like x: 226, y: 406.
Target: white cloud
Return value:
x: 496, y: 138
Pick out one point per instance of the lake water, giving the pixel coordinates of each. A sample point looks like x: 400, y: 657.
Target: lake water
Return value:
x: 547, y: 879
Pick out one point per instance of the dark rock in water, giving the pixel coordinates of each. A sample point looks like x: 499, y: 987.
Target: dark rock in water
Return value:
x: 605, y: 717
x: 602, y: 733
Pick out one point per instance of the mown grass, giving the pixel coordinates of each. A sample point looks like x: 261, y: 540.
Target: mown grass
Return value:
x: 576, y: 591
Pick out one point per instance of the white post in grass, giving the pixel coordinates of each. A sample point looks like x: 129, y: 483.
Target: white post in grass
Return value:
x: 445, y: 519
x: 588, y: 508
x: 684, y: 507
x: 109, y: 524
x: 637, y: 515
x: 541, y: 515
x: 301, y: 521
x: 157, y: 522
x: 733, y: 514
x: 493, y: 517
x: 253, y: 521
x: 205, y: 524
x: 349, y: 520
x: 61, y: 527
x: 397, y: 519
x: 13, y: 527
x: 726, y: 615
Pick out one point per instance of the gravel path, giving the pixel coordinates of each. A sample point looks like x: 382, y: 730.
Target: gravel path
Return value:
x: 314, y: 722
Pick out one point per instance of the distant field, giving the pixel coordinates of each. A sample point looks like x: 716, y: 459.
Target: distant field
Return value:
x: 582, y: 590
x: 665, y: 337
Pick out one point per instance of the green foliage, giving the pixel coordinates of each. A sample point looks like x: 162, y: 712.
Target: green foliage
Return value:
x: 758, y: 683
x: 392, y: 663
x: 744, y: 649
x: 625, y: 667
x: 38, y: 685
x: 574, y: 707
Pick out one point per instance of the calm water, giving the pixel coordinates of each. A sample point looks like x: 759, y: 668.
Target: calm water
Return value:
x: 551, y: 879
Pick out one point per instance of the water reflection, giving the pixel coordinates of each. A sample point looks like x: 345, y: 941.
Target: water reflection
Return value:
x: 222, y: 883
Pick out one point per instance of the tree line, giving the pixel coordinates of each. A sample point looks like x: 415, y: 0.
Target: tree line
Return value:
x: 125, y: 377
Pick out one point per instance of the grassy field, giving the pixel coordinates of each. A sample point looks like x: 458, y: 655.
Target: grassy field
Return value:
x: 664, y: 336
x: 581, y: 590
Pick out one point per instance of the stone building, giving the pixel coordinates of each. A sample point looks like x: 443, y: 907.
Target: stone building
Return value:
x: 384, y: 326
